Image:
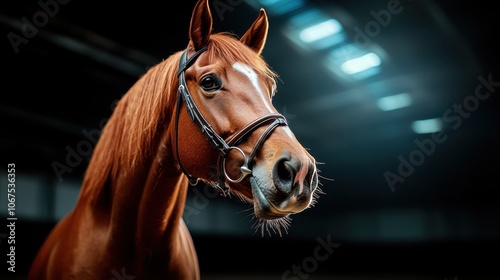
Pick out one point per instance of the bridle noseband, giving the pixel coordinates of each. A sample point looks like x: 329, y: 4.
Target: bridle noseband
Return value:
x: 217, y: 142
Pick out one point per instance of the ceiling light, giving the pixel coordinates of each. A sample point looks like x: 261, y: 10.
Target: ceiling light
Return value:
x: 361, y: 63
x: 427, y: 126
x: 320, y: 30
x: 312, y: 29
x: 393, y: 102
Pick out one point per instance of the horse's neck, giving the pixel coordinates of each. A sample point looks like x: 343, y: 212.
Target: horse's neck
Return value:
x: 161, y: 206
x: 141, y: 207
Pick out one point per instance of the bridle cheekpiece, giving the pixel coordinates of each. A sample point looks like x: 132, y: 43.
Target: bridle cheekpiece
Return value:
x: 216, y: 141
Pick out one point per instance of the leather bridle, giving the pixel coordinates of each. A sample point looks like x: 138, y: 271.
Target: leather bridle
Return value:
x: 216, y: 141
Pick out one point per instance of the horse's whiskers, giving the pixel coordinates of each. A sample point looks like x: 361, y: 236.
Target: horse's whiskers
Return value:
x: 243, y: 198
x: 315, y: 197
x: 272, y: 225
x: 326, y: 178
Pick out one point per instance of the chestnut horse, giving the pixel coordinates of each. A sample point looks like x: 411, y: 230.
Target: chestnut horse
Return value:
x: 205, y: 114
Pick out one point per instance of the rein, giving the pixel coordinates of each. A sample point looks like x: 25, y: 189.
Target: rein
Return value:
x: 215, y: 140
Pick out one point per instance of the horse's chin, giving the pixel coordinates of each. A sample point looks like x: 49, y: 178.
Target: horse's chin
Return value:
x: 273, y: 211
x: 263, y: 207
x: 268, y: 203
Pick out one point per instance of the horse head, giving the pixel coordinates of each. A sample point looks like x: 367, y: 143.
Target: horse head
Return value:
x: 234, y: 137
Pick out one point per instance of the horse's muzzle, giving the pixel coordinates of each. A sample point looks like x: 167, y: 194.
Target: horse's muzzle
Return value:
x: 289, y: 191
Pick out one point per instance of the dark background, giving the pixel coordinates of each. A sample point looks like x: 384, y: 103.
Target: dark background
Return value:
x: 441, y: 222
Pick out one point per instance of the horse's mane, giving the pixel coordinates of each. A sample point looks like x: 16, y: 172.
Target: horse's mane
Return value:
x: 144, y: 112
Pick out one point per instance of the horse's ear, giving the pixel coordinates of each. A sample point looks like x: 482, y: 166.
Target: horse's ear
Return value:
x: 256, y: 35
x: 201, y: 25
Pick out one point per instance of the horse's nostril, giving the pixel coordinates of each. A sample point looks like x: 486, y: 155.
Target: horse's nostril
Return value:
x: 284, y: 171
x: 284, y: 174
x: 293, y: 175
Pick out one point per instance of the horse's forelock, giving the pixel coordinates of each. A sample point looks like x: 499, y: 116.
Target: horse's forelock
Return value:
x: 226, y: 46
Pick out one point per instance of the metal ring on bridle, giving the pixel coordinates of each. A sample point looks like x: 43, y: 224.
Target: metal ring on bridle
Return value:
x: 245, y: 170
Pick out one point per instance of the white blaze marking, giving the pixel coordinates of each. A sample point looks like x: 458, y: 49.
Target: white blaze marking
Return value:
x: 252, y: 76
x: 288, y: 132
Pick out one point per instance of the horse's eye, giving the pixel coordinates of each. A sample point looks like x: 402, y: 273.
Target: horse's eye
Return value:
x: 210, y: 83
